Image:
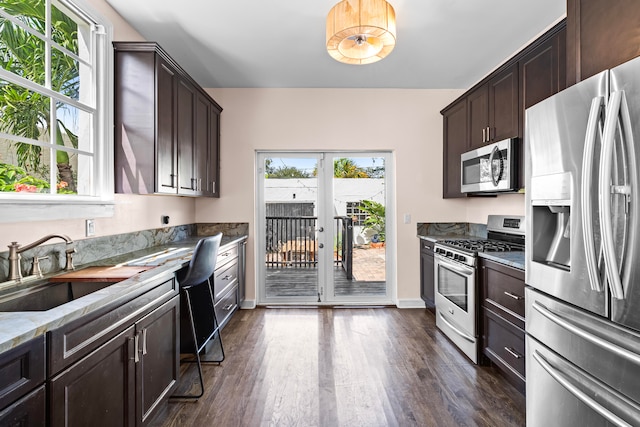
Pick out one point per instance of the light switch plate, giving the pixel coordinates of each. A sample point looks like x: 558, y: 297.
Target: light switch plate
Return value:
x: 90, y: 228
x: 407, y: 218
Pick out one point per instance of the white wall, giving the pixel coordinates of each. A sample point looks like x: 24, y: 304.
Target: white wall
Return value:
x: 408, y: 122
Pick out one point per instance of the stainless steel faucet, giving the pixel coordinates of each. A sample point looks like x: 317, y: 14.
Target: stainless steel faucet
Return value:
x: 15, y: 249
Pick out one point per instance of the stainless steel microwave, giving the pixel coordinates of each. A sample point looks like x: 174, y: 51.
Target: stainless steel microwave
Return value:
x: 490, y: 169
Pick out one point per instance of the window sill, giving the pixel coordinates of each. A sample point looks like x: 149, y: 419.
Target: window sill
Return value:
x: 15, y: 211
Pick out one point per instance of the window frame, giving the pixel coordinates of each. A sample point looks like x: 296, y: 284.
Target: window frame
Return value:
x: 36, y: 207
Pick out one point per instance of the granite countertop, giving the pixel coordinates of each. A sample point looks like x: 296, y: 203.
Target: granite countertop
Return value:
x: 513, y: 259
x: 19, y: 327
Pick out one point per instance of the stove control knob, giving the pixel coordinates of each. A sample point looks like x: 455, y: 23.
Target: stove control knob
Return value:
x: 449, y: 254
x: 462, y: 258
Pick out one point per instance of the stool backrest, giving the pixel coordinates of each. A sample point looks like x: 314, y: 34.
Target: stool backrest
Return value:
x: 203, y: 261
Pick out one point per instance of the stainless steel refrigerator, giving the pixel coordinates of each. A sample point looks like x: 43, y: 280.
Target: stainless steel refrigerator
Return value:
x: 582, y: 253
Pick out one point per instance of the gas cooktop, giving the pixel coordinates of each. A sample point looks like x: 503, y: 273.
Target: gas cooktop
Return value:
x: 481, y: 245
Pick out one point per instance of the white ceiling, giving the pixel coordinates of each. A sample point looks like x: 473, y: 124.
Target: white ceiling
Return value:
x: 281, y: 43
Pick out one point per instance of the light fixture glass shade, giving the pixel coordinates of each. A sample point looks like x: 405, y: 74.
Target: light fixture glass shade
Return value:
x: 361, y: 31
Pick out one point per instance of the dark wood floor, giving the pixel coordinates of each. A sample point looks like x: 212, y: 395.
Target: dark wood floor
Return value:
x: 345, y: 367
x: 301, y: 282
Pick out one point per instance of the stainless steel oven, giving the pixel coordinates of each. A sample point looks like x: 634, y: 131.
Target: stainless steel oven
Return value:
x: 455, y: 299
x: 455, y: 278
x: 490, y: 169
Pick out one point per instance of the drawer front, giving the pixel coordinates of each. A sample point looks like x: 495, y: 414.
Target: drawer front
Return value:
x: 503, y: 292
x: 224, y: 278
x: 226, y: 306
x: 76, y: 339
x: 504, y: 344
x: 226, y: 254
x: 29, y: 411
x: 21, y: 370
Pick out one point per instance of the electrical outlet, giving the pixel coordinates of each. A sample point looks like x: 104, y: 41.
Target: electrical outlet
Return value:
x: 407, y: 218
x: 90, y: 228
x: 164, y: 219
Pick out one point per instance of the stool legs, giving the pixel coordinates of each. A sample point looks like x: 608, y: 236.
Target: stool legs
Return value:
x: 199, y: 346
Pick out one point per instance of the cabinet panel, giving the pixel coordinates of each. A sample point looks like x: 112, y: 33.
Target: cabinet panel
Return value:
x: 99, y: 389
x: 158, y: 367
x: 166, y: 154
x: 503, y: 105
x: 600, y: 35
x: 224, y: 277
x: 455, y: 143
x: 503, y: 290
x: 226, y: 306
x: 478, y: 117
x: 21, y: 370
x: 185, y: 138
x: 201, y: 145
x: 213, y: 170
x: 503, y: 344
x: 427, y: 278
x: 30, y: 411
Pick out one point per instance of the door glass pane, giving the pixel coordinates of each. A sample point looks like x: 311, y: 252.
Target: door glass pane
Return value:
x: 359, y: 242
x: 291, y: 218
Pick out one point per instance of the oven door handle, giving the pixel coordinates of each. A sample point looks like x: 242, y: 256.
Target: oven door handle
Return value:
x: 456, y: 329
x: 451, y: 266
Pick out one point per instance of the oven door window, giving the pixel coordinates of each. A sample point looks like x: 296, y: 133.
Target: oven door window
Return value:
x: 453, y: 286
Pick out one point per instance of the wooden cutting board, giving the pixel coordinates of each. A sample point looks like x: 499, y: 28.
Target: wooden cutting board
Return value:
x: 100, y: 274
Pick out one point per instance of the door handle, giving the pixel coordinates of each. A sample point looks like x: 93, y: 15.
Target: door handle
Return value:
x: 321, y: 229
x: 321, y: 245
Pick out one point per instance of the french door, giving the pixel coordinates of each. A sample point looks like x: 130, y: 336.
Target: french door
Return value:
x: 322, y: 227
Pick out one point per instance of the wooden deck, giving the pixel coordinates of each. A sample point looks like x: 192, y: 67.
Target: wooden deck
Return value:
x: 302, y: 282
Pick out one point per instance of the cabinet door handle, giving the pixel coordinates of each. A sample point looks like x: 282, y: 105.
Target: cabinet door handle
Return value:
x: 484, y: 131
x: 513, y: 352
x: 488, y: 134
x: 227, y: 307
x: 514, y: 296
x: 136, y: 345
x: 144, y: 341
x: 427, y: 247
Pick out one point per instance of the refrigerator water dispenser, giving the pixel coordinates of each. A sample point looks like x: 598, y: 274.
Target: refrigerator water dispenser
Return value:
x: 552, y: 236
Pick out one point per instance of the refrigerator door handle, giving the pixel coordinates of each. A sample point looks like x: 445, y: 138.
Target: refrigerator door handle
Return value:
x: 573, y: 382
x: 604, y: 193
x: 577, y: 327
x: 587, y: 172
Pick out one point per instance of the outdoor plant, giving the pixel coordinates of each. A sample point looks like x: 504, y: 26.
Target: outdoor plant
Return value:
x: 375, y: 220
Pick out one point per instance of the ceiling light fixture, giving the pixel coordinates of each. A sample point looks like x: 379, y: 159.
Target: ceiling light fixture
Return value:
x: 361, y: 31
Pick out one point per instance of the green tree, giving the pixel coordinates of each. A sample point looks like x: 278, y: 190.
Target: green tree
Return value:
x: 376, y: 220
x: 23, y: 112
x: 347, y: 168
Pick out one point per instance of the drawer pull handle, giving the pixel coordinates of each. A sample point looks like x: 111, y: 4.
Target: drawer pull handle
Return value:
x: 227, y: 277
x: 225, y: 254
x: 513, y: 352
x: 144, y: 342
x: 514, y: 296
x: 227, y: 307
x: 136, y: 345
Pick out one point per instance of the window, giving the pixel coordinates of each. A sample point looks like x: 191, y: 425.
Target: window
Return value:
x: 55, y: 116
x: 354, y: 212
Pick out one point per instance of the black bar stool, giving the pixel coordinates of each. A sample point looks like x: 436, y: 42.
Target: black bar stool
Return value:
x: 195, y: 285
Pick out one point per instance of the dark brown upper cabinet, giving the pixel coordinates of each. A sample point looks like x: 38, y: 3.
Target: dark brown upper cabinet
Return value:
x: 494, y: 108
x: 167, y: 127
x: 601, y: 34
x: 455, y: 143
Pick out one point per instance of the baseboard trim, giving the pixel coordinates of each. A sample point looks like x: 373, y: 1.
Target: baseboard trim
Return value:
x: 410, y: 303
x: 248, y: 304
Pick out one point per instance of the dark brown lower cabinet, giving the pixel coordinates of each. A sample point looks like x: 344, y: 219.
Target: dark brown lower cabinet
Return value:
x: 427, y: 278
x: 502, y: 319
x: 122, y: 382
x: 29, y: 411
x: 157, y: 369
x: 99, y: 390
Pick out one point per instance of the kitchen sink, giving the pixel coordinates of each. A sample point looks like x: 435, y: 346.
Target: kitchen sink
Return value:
x: 45, y: 296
